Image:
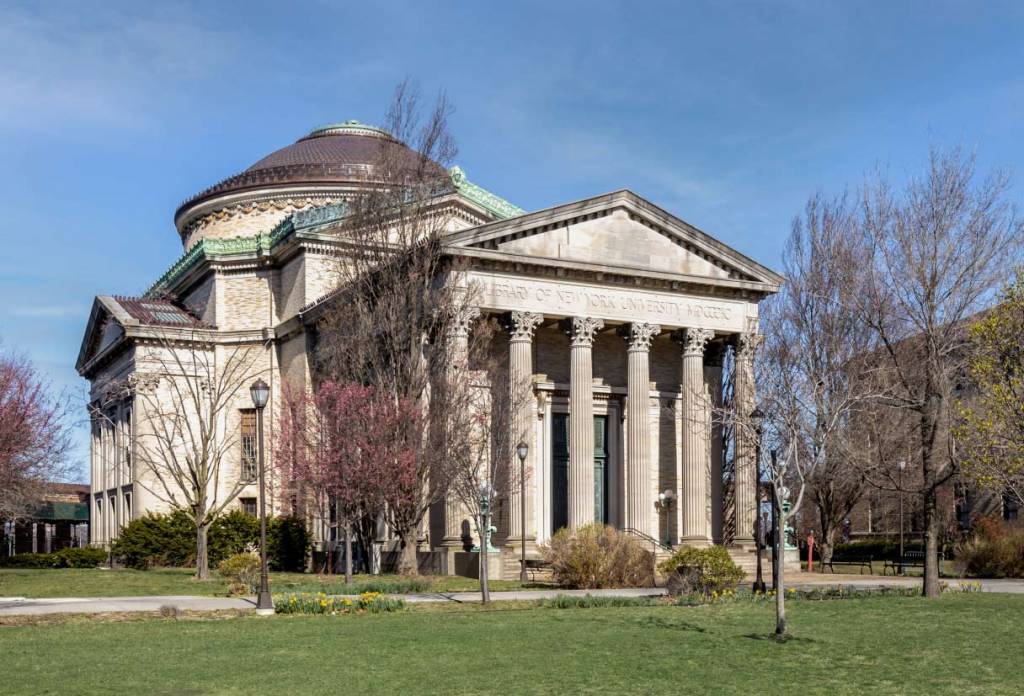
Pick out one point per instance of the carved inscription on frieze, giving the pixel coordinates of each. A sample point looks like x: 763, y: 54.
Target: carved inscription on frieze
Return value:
x: 573, y: 299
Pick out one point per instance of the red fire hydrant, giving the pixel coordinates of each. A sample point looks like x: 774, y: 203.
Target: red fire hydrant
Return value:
x: 810, y: 552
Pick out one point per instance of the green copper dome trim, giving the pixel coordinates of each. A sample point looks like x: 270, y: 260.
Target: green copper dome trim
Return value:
x: 212, y: 247
x: 351, y: 127
x: 495, y: 205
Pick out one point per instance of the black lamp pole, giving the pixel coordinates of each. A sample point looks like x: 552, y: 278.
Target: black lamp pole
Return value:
x: 522, y: 449
x: 757, y: 418
x: 260, y: 393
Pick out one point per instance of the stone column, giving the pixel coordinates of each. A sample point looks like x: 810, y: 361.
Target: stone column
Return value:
x: 581, y: 420
x: 696, y: 433
x: 713, y: 354
x: 454, y: 511
x: 639, y: 501
x: 745, y: 493
x: 521, y: 326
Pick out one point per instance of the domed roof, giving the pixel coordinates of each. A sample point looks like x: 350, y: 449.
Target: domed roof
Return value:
x: 338, y: 153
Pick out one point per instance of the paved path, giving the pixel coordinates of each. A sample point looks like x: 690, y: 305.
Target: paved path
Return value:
x: 14, y: 606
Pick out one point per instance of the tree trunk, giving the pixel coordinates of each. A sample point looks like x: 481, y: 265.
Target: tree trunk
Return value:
x: 202, y: 553
x: 931, y: 545
x: 408, y: 563
x: 825, y: 549
x: 929, y: 425
x: 348, y: 552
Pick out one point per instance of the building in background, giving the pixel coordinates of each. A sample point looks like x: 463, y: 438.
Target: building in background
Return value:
x: 59, y: 521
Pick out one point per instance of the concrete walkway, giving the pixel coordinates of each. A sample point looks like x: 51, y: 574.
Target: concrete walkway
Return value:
x: 17, y: 606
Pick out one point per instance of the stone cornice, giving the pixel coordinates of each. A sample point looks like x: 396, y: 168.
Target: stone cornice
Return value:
x: 624, y: 276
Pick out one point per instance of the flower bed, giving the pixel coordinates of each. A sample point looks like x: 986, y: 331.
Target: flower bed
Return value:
x: 320, y: 603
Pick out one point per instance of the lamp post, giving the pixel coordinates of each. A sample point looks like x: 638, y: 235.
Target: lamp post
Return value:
x: 522, y: 449
x: 901, y: 466
x: 663, y: 505
x: 260, y: 393
x: 757, y: 419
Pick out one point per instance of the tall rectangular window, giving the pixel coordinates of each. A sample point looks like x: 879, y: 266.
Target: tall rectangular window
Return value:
x: 248, y: 506
x: 249, y: 444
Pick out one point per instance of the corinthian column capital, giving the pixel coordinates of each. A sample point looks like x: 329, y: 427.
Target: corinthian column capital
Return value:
x: 521, y: 325
x: 582, y: 329
x: 463, y: 319
x: 693, y: 340
x: 639, y: 335
x: 747, y: 344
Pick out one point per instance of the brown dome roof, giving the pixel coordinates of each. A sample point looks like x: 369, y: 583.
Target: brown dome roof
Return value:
x: 335, y: 154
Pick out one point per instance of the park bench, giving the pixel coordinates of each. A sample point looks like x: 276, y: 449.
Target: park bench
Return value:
x: 862, y: 560
x: 911, y: 559
x: 536, y: 566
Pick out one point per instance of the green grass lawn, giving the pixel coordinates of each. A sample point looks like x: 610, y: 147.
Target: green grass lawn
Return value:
x: 959, y: 644
x: 94, y: 582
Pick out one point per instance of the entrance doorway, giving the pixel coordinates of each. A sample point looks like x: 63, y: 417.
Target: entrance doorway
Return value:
x: 560, y: 470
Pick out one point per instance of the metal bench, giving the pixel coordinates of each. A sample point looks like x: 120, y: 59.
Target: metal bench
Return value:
x: 864, y: 561
x: 535, y: 566
x: 910, y: 559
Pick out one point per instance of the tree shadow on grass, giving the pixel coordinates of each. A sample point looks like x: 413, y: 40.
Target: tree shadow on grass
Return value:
x: 775, y: 638
x: 671, y: 624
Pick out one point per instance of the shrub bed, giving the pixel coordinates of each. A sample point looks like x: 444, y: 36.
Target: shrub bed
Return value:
x: 701, y: 571
x: 242, y: 571
x: 994, y: 550
x: 169, y: 540
x: 596, y: 556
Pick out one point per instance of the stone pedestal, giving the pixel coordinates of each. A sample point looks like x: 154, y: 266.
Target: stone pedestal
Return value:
x: 467, y: 564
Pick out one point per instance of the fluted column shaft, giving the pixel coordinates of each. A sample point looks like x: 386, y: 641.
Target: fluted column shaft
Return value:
x: 713, y: 383
x: 581, y: 420
x: 639, y: 501
x: 696, y: 529
x: 454, y: 510
x: 745, y: 495
x: 521, y: 326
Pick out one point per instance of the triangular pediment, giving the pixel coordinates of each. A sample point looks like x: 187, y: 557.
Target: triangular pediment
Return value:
x: 104, y: 330
x: 618, y: 231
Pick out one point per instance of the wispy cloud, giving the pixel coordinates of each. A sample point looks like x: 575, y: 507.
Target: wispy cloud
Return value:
x: 85, y: 66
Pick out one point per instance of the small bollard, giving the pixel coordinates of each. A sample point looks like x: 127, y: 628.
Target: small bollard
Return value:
x: 810, y: 552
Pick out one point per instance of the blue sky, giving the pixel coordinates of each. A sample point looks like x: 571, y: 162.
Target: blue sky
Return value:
x: 727, y: 114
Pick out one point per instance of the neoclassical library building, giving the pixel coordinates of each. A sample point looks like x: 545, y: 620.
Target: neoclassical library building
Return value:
x: 619, y: 315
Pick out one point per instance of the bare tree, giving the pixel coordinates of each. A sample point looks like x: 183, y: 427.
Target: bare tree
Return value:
x: 34, y: 437
x: 935, y: 253
x: 812, y: 326
x: 187, y: 398
x: 398, y: 296
x: 809, y: 385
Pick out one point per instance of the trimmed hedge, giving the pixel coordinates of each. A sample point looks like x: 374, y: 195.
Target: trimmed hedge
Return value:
x: 169, y: 540
x: 88, y: 557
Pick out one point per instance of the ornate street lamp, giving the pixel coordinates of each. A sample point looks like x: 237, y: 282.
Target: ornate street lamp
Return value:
x: 260, y: 393
x: 666, y: 499
x: 522, y: 449
x: 757, y: 419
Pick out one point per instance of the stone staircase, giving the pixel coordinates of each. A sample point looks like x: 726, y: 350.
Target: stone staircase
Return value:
x: 746, y: 558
